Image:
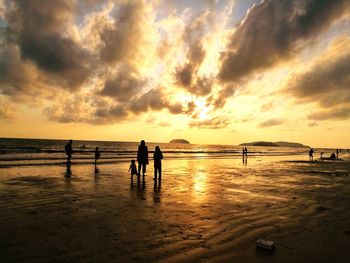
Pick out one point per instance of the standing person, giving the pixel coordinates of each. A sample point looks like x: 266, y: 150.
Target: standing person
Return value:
x: 142, y: 157
x: 69, y: 151
x: 337, y: 151
x: 97, y: 155
x: 157, y: 157
x: 246, y: 151
x: 311, y: 154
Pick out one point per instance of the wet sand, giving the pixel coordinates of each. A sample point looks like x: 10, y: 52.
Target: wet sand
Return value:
x: 206, y: 210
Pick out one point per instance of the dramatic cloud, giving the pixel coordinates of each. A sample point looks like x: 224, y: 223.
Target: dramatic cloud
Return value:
x: 271, y: 122
x: 327, y: 80
x: 124, y: 85
x: 272, y: 32
x: 39, y: 29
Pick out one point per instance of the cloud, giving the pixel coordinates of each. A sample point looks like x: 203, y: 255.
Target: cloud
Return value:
x: 271, y: 122
x: 126, y: 84
x: 154, y: 99
x: 8, y: 110
x: 187, y: 75
x: 335, y: 114
x: 273, y: 30
x: 312, y: 124
x: 327, y: 80
x: 127, y: 38
x: 38, y: 29
x: 213, y: 123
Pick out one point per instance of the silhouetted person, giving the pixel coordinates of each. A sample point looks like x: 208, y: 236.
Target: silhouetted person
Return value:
x: 244, y: 155
x: 332, y: 157
x: 97, y: 155
x: 69, y: 151
x: 157, y: 157
x: 142, y: 157
x: 321, y: 156
x: 337, y: 153
x: 132, y: 169
x: 311, y: 154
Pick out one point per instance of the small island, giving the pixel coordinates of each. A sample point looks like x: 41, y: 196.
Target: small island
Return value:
x: 179, y: 141
x: 274, y: 144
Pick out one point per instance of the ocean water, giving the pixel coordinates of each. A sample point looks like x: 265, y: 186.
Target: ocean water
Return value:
x: 19, y: 152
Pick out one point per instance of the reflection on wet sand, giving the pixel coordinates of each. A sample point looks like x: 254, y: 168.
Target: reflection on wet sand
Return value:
x: 203, y: 210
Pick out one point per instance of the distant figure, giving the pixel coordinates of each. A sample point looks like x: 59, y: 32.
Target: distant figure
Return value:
x: 132, y: 168
x: 311, y: 154
x: 337, y: 153
x: 142, y: 157
x: 69, y: 151
x: 157, y: 157
x: 97, y: 155
x: 332, y: 157
x: 244, y: 155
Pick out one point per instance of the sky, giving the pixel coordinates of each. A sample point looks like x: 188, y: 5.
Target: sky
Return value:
x: 211, y: 72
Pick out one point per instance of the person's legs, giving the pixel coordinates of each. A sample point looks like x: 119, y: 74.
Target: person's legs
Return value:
x: 139, y: 169
x: 160, y: 173
x: 155, y: 173
x: 143, y: 169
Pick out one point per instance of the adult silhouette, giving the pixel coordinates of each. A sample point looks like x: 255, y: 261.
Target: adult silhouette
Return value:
x: 69, y: 151
x: 142, y: 157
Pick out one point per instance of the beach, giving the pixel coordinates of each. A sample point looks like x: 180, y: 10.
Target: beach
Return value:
x: 205, y: 210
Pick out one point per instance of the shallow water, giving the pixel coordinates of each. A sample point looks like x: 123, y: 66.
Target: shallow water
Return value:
x: 206, y: 209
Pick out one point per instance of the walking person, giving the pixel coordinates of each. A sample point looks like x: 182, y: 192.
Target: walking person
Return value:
x: 142, y: 157
x: 157, y: 157
x: 69, y: 151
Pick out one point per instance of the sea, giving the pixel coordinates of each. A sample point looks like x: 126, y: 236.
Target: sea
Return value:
x: 23, y: 152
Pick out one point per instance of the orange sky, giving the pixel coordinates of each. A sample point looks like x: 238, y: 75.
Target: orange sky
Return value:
x: 212, y: 72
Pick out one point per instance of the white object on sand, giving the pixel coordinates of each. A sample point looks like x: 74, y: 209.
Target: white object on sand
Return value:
x: 266, y: 244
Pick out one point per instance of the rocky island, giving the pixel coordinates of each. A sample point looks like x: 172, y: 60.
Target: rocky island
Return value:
x: 179, y: 141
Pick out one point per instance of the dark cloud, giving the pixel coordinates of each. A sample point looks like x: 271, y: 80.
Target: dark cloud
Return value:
x: 38, y: 29
x: 213, y: 123
x: 272, y: 31
x: 335, y: 114
x: 327, y: 82
x: 154, y: 99
x: 124, y: 85
x: 271, y: 122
